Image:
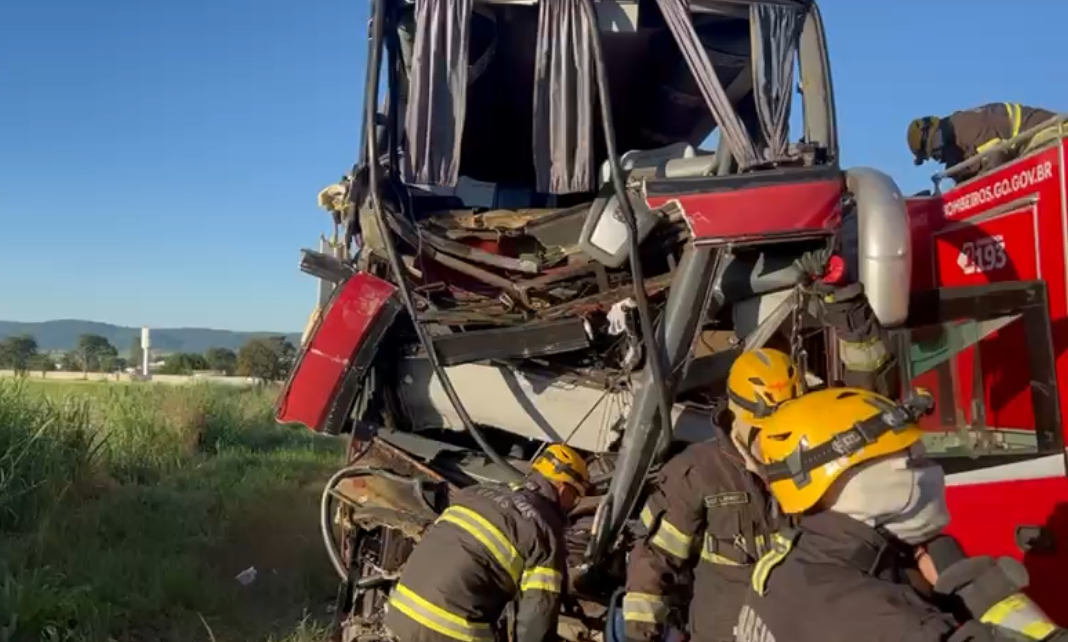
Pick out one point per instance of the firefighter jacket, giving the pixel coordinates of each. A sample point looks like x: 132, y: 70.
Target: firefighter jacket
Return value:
x: 835, y: 579
x: 707, y: 518
x: 493, y: 546
x: 862, y: 342
x: 973, y: 131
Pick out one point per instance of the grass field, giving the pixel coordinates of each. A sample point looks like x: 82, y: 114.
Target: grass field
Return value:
x: 127, y: 510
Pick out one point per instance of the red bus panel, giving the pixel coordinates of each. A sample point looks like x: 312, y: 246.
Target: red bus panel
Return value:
x: 330, y: 367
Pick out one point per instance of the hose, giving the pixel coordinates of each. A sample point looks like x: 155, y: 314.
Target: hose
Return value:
x: 610, y: 630
x: 627, y: 209
x: 374, y: 63
x: 325, y: 527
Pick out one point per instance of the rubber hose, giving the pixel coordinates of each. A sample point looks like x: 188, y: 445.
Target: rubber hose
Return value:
x: 370, y: 110
x: 325, y: 527
x: 620, y: 188
x: 610, y: 615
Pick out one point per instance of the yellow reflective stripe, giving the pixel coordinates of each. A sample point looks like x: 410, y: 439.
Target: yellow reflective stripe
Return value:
x: 716, y: 558
x: 436, y: 618
x: 644, y: 607
x: 647, y: 516
x: 863, y: 356
x: 671, y: 540
x: 488, y: 535
x: 1015, y: 117
x: 708, y: 554
x: 781, y: 547
x: 1019, y: 614
x: 987, y: 145
x: 541, y: 578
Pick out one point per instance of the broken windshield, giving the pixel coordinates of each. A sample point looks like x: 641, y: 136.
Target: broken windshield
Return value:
x: 503, y: 92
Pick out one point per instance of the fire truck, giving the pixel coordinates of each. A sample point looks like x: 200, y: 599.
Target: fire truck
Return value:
x: 534, y: 247
x: 987, y: 335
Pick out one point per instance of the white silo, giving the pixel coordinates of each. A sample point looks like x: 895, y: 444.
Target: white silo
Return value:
x: 145, y: 344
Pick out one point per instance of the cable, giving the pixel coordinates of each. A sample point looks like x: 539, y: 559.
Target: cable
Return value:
x: 374, y: 64
x: 620, y: 188
x: 325, y: 527
x: 326, y: 501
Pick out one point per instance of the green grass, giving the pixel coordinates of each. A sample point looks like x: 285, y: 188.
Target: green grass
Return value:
x: 126, y: 511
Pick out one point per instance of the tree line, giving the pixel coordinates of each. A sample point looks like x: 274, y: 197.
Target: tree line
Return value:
x: 266, y: 358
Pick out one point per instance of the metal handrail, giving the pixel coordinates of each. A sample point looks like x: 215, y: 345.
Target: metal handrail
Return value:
x: 949, y: 172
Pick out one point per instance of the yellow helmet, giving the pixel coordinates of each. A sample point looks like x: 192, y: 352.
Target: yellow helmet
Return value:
x: 809, y: 442
x: 560, y: 463
x: 760, y: 380
x: 920, y: 137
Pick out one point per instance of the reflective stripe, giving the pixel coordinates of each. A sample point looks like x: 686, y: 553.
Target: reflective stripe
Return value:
x: 488, y: 535
x: 644, y: 607
x: 667, y: 536
x: 1015, y: 117
x: 863, y: 356
x: 541, y: 578
x: 780, y: 548
x: 436, y: 618
x: 647, y: 517
x: 708, y: 553
x: 672, y: 541
x: 716, y: 558
x: 1019, y: 614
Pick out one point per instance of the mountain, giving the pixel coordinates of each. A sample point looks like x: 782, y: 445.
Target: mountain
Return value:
x: 63, y: 335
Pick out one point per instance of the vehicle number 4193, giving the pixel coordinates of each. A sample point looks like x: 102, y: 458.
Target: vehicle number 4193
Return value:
x: 983, y: 255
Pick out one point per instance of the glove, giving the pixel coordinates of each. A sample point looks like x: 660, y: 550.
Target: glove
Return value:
x: 814, y: 263
x: 991, y: 591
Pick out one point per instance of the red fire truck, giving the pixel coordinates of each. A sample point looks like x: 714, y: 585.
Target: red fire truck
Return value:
x: 993, y: 352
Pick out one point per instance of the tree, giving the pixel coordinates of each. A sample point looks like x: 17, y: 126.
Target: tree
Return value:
x: 221, y: 360
x: 17, y: 352
x: 266, y: 358
x: 108, y: 363
x: 181, y: 363
x: 94, y: 351
x: 43, y: 363
x: 70, y: 362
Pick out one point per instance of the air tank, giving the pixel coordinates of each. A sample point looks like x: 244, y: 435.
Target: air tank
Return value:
x: 877, y: 244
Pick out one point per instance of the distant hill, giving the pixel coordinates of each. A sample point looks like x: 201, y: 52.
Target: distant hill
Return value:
x: 63, y: 335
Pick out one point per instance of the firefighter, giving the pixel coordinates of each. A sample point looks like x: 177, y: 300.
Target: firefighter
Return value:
x: 850, y: 465
x: 709, y: 497
x: 708, y: 517
x: 493, y: 546
x: 955, y: 138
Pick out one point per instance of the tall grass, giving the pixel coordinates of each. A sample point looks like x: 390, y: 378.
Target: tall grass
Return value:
x: 125, y: 511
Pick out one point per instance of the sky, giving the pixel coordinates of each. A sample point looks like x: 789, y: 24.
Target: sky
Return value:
x: 159, y: 161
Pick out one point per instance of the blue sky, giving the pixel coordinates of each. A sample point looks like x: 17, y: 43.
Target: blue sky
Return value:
x: 159, y: 161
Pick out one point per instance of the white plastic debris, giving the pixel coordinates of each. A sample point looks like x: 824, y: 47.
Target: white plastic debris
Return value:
x: 247, y: 576
x: 617, y: 316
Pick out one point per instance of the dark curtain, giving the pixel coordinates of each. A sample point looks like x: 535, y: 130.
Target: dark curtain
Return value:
x: 677, y: 15
x: 563, y: 99
x: 437, y: 99
x: 774, y: 32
